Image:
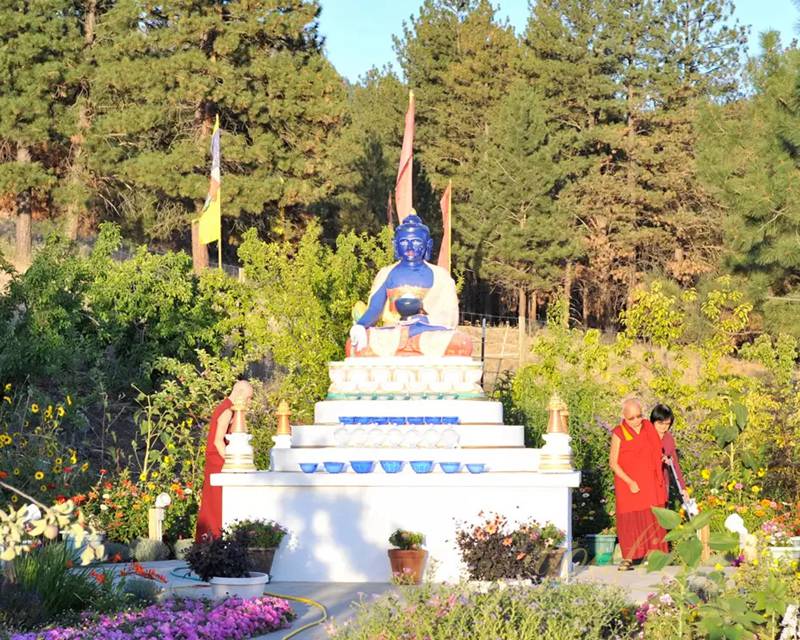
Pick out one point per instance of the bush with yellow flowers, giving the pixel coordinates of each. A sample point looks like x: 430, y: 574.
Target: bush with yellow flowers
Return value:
x: 33, y: 453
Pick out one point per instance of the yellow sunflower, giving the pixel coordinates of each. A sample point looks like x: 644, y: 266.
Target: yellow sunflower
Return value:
x: 38, y: 475
x: 34, y: 408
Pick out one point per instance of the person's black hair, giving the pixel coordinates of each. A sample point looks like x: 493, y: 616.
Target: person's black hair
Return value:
x: 662, y: 413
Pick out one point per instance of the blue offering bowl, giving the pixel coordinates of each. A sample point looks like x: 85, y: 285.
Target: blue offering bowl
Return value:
x: 450, y: 467
x: 422, y: 466
x: 309, y: 467
x: 333, y: 467
x: 380, y: 420
x: 392, y: 466
x: 433, y: 420
x: 450, y: 420
x: 347, y: 420
x: 476, y: 467
x: 415, y: 420
x: 362, y: 466
x: 363, y: 420
x: 407, y: 306
x: 397, y: 420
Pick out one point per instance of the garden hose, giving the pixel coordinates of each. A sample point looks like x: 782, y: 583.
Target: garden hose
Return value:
x: 306, y: 601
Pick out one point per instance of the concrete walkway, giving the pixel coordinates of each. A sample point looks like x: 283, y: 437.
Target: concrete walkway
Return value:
x: 340, y: 597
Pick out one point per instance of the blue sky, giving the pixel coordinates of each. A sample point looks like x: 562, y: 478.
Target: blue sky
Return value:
x: 359, y: 32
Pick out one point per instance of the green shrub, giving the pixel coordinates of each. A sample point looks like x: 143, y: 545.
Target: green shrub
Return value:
x: 61, y: 586
x: 406, y: 540
x: 142, y: 592
x: 146, y: 550
x: 260, y: 534
x: 551, y: 611
x: 117, y: 552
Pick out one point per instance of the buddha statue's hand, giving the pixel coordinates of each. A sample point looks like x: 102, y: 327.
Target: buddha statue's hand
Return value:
x: 358, y: 337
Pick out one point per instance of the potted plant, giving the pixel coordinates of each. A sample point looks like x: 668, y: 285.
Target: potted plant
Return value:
x: 263, y: 538
x: 498, y: 550
x: 600, y: 546
x: 407, y: 558
x: 223, y: 563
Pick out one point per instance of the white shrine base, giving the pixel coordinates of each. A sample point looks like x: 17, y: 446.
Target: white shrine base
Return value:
x: 339, y: 524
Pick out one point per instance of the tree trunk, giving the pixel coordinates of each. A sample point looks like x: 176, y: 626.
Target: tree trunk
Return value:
x: 585, y: 304
x: 534, y: 309
x: 567, y: 293
x: 199, y: 250
x: 74, y: 208
x: 522, y: 321
x: 23, y: 227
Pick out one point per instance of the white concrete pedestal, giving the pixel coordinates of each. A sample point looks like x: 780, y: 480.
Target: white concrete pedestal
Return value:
x: 339, y: 524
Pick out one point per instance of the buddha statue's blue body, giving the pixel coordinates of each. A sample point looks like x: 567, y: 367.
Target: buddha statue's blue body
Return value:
x: 432, y: 295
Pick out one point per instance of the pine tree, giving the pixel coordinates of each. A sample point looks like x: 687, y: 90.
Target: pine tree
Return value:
x: 165, y: 70
x: 460, y: 62
x: 526, y: 237
x: 750, y: 154
x: 38, y: 46
x: 623, y: 82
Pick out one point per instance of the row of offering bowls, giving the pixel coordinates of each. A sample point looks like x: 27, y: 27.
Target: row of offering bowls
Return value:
x: 391, y: 466
x: 398, y: 420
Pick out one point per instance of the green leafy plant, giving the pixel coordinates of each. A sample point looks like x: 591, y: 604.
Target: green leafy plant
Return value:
x: 406, y: 540
x: 717, y: 616
x: 53, y: 573
x: 262, y: 534
x: 146, y: 550
x: 552, y: 611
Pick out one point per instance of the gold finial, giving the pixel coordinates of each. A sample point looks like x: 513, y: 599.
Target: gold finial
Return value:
x: 283, y: 413
x: 239, y: 425
x: 559, y: 413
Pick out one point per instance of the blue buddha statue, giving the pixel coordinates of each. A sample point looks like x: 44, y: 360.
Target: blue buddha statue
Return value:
x: 413, y: 306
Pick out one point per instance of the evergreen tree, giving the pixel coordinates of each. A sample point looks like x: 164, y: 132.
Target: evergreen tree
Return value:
x: 38, y: 46
x: 749, y: 158
x: 623, y: 82
x: 368, y: 153
x: 525, y: 237
x: 460, y: 62
x: 165, y: 70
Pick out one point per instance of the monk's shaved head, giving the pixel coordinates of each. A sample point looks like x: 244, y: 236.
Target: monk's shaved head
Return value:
x: 631, y: 409
x: 242, y: 392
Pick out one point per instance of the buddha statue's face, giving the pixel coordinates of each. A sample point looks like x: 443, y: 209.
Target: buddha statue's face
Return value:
x: 412, y: 242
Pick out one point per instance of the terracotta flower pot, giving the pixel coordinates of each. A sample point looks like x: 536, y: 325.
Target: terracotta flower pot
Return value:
x: 260, y: 558
x: 408, y: 563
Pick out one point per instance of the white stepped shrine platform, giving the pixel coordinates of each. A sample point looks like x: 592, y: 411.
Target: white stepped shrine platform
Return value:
x: 339, y: 524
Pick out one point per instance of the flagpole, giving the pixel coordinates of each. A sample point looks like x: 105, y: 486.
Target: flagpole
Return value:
x: 219, y: 247
x: 449, y: 225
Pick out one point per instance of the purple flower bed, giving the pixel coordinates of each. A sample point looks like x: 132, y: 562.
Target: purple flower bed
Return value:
x: 231, y: 619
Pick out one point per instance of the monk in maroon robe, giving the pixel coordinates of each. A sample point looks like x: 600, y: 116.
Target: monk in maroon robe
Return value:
x: 635, y: 459
x: 209, y: 520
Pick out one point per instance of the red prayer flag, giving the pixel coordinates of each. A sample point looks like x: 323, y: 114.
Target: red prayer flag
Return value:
x: 445, y: 204
x: 402, y: 187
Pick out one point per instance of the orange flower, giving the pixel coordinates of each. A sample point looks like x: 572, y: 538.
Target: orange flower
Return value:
x: 521, y: 555
x: 100, y: 577
x: 491, y: 528
x: 3, y: 475
x: 79, y: 499
x: 507, y: 541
